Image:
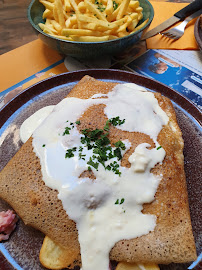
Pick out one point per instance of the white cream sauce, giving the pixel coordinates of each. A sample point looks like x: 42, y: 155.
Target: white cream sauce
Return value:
x: 144, y: 157
x: 139, y: 107
x: 32, y: 122
x: 107, y: 209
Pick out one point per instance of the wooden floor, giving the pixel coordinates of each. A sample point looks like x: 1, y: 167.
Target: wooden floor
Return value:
x: 15, y: 29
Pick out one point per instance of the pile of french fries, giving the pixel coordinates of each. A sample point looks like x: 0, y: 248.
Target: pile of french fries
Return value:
x: 91, y: 20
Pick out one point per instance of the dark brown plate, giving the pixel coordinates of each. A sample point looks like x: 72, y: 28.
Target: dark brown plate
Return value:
x: 198, y: 31
x: 22, y: 249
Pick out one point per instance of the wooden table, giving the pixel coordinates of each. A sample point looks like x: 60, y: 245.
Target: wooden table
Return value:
x: 15, y: 29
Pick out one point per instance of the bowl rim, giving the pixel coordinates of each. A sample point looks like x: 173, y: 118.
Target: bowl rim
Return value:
x: 198, y: 32
x: 90, y: 43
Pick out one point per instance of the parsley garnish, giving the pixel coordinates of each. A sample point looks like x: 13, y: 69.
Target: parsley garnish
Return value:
x: 67, y: 129
x: 43, y: 145
x: 117, y: 153
x: 100, y: 6
x: 121, y: 201
x: 106, y: 127
x: 98, y: 141
x: 117, y: 201
x: 92, y: 163
x: 108, y: 168
x: 66, y: 132
x: 81, y: 156
x: 120, y: 144
x: 69, y: 152
x: 159, y: 147
x: 101, y: 9
x: 115, y: 121
x: 114, y: 166
x: 115, y: 5
x: 80, y: 148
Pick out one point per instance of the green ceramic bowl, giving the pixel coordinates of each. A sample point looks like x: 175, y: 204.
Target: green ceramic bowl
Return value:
x: 88, y: 49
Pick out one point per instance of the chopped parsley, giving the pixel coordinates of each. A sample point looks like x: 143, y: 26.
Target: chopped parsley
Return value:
x: 67, y: 129
x: 43, y: 145
x: 120, y: 202
x: 92, y: 163
x: 115, y: 121
x: 115, y: 5
x: 98, y: 141
x: 100, y: 6
x: 106, y: 127
x: 114, y: 167
x: 120, y: 144
x: 117, y: 201
x: 159, y: 147
x: 117, y: 153
x: 108, y: 168
x: 81, y: 156
x: 66, y: 132
x: 69, y: 152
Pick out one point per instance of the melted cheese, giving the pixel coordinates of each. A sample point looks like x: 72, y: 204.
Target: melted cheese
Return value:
x: 142, y: 158
x: 31, y: 123
x: 107, y: 209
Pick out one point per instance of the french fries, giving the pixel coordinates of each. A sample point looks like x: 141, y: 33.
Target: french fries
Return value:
x: 91, y: 20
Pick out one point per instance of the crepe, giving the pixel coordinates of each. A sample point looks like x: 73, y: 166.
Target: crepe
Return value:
x: 21, y: 185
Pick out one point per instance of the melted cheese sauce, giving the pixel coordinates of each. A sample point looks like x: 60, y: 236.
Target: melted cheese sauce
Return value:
x: 107, y: 209
x: 32, y: 122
